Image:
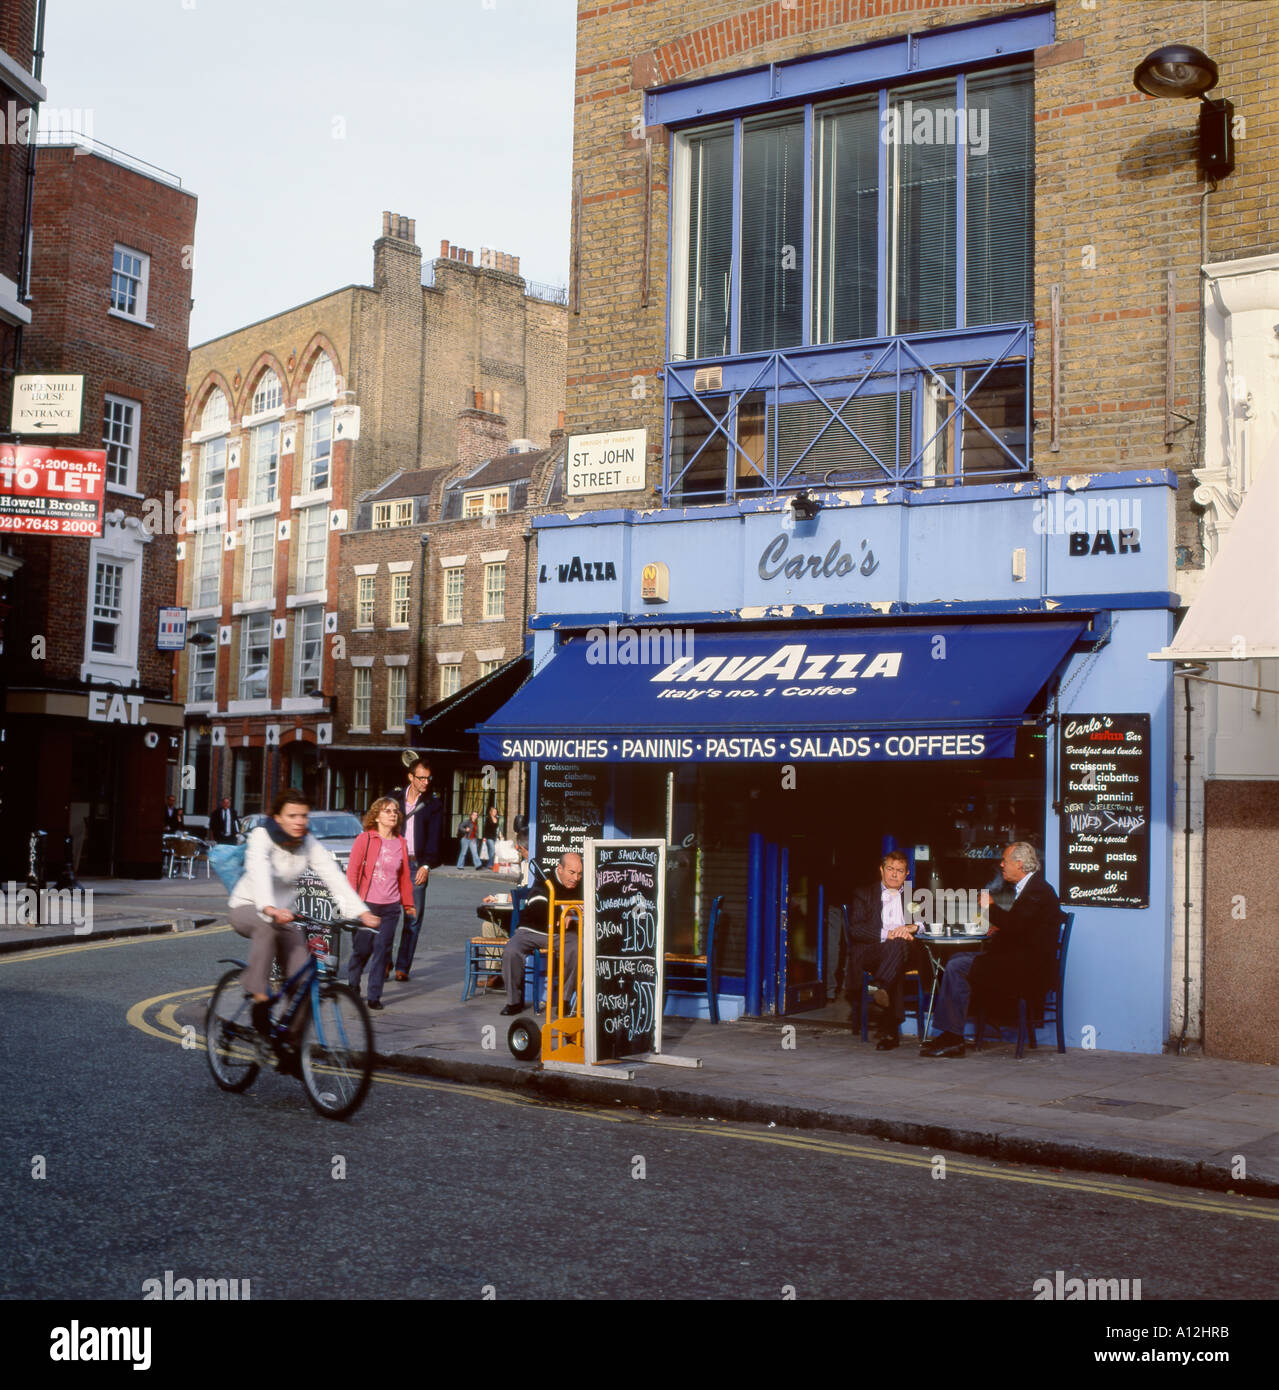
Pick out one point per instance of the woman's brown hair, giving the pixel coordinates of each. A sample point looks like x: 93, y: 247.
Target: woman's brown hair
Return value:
x: 371, y: 815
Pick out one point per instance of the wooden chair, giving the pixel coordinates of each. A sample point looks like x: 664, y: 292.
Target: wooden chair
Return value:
x: 693, y: 974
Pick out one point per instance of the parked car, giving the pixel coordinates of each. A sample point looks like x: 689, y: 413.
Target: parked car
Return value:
x: 335, y: 830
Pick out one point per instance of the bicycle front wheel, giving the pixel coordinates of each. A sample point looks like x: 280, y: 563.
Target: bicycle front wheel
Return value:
x: 337, y: 1052
x: 229, y: 1037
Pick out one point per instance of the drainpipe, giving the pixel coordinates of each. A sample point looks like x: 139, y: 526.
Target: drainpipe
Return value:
x: 425, y: 540
x: 1185, y: 996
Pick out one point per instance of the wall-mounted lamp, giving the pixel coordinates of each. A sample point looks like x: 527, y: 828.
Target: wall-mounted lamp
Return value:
x: 805, y: 506
x: 1180, y: 71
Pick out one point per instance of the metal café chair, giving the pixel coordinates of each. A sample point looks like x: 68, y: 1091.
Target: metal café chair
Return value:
x: 186, y: 849
x: 920, y: 1009
x: 693, y: 974
x: 1051, y: 1009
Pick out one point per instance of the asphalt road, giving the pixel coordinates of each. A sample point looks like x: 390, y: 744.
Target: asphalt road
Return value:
x: 442, y: 1191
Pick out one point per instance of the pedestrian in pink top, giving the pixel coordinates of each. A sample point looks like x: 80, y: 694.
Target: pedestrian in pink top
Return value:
x: 378, y: 870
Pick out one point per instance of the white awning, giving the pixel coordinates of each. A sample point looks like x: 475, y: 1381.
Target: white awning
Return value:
x: 1235, y: 615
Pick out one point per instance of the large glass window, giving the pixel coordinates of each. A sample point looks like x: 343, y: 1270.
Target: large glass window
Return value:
x: 707, y: 246
x: 108, y: 607
x: 308, y: 642
x: 313, y: 544
x: 259, y: 560
x: 266, y: 463
x: 208, y: 569
x: 255, y: 656
x: 365, y: 589
x: 361, y: 697
x: 202, y: 661
x: 450, y: 680
x: 120, y: 440
x: 319, y: 446
x: 495, y: 590
x: 846, y: 244
x: 396, y: 695
x: 452, y: 594
x: 213, y: 476
x: 267, y: 394
x: 400, y: 599
x: 772, y: 235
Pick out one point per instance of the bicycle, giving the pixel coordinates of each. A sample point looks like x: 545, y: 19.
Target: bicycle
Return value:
x: 323, y: 1036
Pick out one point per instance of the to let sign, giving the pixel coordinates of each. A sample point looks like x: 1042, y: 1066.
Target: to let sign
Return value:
x: 51, y: 492
x: 46, y: 404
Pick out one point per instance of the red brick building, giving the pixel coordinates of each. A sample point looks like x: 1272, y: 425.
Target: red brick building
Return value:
x: 91, y: 728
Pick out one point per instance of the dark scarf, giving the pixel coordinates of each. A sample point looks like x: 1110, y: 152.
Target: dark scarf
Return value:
x: 276, y: 831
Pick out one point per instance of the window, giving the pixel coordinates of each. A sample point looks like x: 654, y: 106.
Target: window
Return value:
x: 207, y: 580
x: 130, y: 271
x: 265, y: 469
x: 255, y: 656
x: 387, y: 515
x: 108, y: 608
x: 495, y: 590
x: 322, y: 381
x: 361, y: 697
x: 268, y: 394
x: 397, y: 678
x: 259, y: 560
x: 496, y: 500
x: 364, y: 598
x: 120, y: 421
x: 216, y: 413
x: 308, y: 649
x: 400, y: 600
x: 450, y: 680
x: 453, y: 595
x: 202, y: 661
x: 212, y: 477
x: 319, y: 446
x: 488, y: 667
x: 313, y: 545
x: 917, y: 203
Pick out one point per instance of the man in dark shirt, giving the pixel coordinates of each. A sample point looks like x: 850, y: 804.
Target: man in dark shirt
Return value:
x: 1016, y: 961
x: 172, y: 816
x: 223, y: 822
x: 423, y: 827
x: 531, y: 934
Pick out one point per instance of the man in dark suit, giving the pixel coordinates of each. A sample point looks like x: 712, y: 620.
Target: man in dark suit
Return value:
x: 1017, y: 959
x: 423, y: 827
x: 222, y: 823
x: 173, y: 822
x: 879, y: 931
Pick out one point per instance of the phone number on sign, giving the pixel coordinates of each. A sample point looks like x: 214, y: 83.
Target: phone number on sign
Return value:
x: 50, y: 525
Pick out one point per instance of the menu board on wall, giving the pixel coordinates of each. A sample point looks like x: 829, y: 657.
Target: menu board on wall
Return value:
x: 623, y: 888
x: 1105, y: 813
x: 570, y: 809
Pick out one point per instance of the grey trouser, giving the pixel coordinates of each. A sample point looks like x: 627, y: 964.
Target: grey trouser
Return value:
x: 523, y: 943
x: 269, y: 940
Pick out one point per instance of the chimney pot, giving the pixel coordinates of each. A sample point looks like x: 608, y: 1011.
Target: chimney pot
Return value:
x: 516, y: 271
x: 386, y: 224
x: 413, y: 229
x: 444, y: 248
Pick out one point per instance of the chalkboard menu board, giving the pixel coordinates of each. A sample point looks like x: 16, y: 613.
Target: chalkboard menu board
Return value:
x: 570, y: 809
x: 1105, y: 813
x: 623, y: 890
x: 315, y: 900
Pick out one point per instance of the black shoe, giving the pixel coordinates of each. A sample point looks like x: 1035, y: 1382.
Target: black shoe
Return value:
x: 512, y: 1009
x: 260, y: 1015
x: 289, y: 1064
x: 944, y: 1045
x: 376, y: 1004
x: 887, y: 1043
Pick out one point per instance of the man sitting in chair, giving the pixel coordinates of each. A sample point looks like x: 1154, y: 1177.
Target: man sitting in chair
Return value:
x: 879, y: 929
x: 531, y: 934
x: 1016, y: 961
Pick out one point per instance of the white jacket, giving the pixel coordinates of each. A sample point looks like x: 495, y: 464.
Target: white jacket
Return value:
x: 271, y: 875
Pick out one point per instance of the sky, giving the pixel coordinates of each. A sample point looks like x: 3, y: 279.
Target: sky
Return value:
x: 297, y: 122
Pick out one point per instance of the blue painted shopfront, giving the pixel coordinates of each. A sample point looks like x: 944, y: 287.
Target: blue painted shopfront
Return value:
x: 921, y: 647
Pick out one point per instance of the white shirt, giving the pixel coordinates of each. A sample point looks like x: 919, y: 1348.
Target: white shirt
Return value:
x: 891, y: 915
x: 271, y: 875
x: 1019, y: 885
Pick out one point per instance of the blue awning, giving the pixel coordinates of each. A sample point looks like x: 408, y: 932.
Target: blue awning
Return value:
x: 938, y: 693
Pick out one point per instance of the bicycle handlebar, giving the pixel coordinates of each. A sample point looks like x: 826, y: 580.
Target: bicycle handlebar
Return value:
x: 351, y: 924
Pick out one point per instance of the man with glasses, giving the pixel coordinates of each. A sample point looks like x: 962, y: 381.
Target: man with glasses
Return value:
x: 423, y: 830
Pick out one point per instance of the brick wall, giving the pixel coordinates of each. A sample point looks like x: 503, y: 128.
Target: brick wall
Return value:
x: 84, y: 205
x: 1116, y: 172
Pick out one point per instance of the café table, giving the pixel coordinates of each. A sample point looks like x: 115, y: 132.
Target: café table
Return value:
x: 939, y: 948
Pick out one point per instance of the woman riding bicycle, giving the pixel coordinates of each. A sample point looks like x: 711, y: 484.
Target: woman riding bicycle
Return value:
x: 276, y: 856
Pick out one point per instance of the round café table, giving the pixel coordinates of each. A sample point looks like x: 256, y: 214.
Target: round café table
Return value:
x: 939, y: 949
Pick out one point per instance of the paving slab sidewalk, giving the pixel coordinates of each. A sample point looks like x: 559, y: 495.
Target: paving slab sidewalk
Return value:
x: 1192, y: 1120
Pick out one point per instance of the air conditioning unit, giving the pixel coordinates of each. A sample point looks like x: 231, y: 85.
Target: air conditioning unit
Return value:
x: 708, y: 379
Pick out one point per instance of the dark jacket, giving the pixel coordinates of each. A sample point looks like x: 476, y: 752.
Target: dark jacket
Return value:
x: 1020, y: 956
x: 534, y: 903
x: 866, y: 914
x: 424, y: 828
x: 217, y: 830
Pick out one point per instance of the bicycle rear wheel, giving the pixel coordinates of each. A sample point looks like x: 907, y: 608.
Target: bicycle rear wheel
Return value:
x: 229, y: 1038
x: 336, y: 1054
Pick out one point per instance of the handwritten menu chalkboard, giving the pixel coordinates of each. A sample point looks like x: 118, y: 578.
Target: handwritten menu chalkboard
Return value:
x: 315, y: 900
x: 623, y: 890
x: 570, y: 809
x: 1105, y: 814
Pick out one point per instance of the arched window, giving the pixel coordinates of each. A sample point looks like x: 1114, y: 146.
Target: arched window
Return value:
x: 215, y: 412
x: 321, y: 381
x: 268, y: 395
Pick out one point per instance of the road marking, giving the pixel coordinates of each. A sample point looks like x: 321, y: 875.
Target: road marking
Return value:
x: 1093, y: 1187
x: 15, y: 957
